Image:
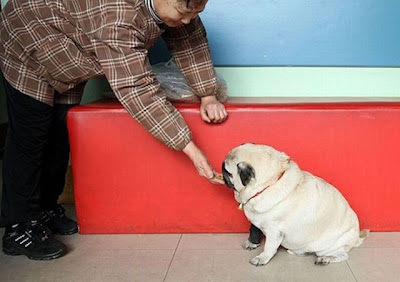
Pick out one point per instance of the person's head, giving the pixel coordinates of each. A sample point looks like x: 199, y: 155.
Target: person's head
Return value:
x: 176, y: 13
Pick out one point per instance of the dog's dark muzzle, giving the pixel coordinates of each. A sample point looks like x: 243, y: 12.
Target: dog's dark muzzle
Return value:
x: 226, y: 176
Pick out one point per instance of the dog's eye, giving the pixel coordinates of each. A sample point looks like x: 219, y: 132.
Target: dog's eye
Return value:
x: 246, y: 172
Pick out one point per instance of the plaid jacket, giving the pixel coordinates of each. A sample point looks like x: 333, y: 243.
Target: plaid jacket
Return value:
x: 50, y: 48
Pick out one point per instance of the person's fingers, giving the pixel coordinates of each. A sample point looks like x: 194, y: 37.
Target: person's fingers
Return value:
x: 211, y: 114
x: 218, y: 175
x: 204, y: 115
x: 209, y: 173
x: 205, y: 170
x: 216, y: 115
x: 225, y: 113
x: 216, y: 118
x: 220, y: 115
x: 216, y: 181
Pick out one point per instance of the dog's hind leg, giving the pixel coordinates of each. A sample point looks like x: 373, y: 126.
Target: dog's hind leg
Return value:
x: 255, y: 235
x: 249, y: 245
x: 254, y: 240
x: 334, y: 256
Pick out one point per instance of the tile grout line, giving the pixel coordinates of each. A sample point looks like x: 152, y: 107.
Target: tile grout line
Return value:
x: 172, y: 259
x: 351, y: 270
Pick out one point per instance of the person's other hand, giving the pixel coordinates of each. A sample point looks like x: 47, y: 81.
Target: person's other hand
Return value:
x: 212, y: 111
x: 201, y: 163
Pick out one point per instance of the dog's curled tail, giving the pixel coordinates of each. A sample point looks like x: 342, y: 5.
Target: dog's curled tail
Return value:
x: 363, y: 234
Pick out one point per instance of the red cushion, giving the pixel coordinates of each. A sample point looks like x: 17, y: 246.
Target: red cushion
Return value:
x: 125, y: 181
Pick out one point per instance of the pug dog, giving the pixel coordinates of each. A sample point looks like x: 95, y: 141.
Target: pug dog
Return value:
x: 292, y: 208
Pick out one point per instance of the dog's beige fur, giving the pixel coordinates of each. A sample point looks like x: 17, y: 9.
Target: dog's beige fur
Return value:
x: 297, y: 210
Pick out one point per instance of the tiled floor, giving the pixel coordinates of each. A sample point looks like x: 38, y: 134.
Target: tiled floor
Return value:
x: 197, y: 257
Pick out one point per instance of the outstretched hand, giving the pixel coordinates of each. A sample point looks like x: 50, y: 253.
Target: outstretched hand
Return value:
x: 212, y: 111
x: 217, y: 178
x: 201, y: 163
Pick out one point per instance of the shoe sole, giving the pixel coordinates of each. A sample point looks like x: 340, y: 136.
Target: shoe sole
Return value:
x: 65, y: 233
x: 13, y: 251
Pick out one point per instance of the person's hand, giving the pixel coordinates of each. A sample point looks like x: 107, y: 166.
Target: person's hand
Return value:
x: 217, y: 179
x: 201, y: 163
x: 212, y: 111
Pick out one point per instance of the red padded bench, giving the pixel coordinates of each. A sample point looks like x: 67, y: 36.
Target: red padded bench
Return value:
x: 125, y: 181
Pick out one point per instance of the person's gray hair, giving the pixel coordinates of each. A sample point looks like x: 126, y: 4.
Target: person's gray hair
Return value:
x: 193, y: 2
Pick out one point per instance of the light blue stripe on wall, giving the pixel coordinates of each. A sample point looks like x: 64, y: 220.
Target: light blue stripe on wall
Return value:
x: 311, y: 81
x: 315, y: 82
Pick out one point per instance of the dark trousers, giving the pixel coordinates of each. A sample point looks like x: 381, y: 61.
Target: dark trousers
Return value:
x: 35, y: 158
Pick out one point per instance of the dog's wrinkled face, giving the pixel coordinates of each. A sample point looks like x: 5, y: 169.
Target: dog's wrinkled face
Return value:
x: 251, y: 167
x: 243, y: 170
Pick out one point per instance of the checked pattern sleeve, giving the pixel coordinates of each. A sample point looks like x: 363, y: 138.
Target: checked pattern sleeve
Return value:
x: 123, y: 58
x: 190, y: 49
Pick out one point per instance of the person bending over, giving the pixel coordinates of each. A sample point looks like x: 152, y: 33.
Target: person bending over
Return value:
x: 48, y: 51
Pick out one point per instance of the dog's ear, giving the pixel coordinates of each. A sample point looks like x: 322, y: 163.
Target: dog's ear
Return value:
x: 246, y: 172
x: 285, y: 160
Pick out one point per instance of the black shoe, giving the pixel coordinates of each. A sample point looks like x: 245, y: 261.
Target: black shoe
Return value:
x: 33, y: 240
x: 58, y: 223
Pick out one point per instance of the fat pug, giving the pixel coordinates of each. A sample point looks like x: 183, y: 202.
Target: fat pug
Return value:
x: 292, y: 208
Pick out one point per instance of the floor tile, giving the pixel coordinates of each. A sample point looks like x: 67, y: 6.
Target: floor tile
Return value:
x: 382, y: 240
x: 380, y: 264
x: 118, y: 241
x: 233, y: 265
x: 212, y: 241
x: 136, y: 265
x: 121, y: 241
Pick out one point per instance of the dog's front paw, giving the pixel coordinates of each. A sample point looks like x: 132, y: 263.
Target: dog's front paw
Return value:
x: 260, y: 260
x: 249, y: 245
